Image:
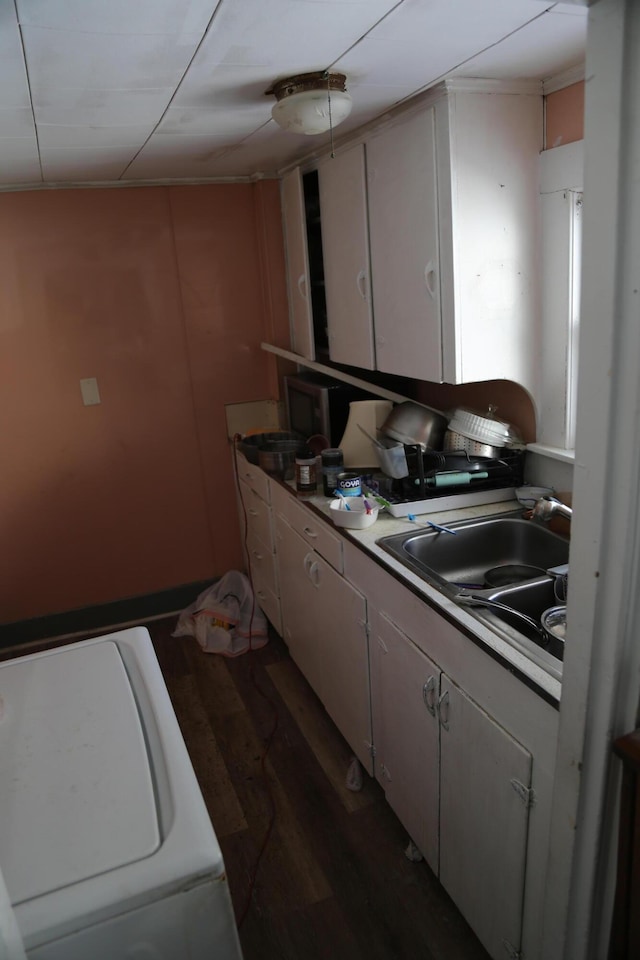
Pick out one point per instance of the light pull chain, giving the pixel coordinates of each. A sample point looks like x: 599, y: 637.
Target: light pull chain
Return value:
x: 333, y: 156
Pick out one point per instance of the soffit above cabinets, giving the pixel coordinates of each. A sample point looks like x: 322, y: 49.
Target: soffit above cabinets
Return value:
x: 110, y: 91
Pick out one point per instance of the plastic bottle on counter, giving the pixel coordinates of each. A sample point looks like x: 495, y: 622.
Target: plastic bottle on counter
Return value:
x: 332, y: 465
x: 306, y: 472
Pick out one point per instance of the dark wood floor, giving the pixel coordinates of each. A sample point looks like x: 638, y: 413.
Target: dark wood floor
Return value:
x: 333, y: 881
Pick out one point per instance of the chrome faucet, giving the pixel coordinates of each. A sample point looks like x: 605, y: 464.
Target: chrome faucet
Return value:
x: 547, y: 507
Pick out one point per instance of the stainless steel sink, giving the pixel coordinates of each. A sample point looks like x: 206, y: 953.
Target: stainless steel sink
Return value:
x: 479, y: 545
x: 458, y: 564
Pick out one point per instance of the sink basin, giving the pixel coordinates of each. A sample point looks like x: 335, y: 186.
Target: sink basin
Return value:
x: 480, y: 545
x: 458, y: 565
x: 532, y: 599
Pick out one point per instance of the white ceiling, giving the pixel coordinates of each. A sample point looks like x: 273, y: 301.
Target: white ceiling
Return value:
x: 138, y: 90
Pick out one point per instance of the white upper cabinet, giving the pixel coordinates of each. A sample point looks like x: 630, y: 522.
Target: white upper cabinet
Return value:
x: 430, y: 237
x: 488, y: 210
x: 403, y: 214
x: 298, y: 281
x: 345, y: 251
x: 453, y: 214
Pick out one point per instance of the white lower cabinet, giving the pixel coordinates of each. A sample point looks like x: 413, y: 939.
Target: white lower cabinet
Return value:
x: 485, y: 779
x: 463, y: 748
x: 258, y: 546
x: 405, y: 688
x: 458, y: 783
x: 325, y: 627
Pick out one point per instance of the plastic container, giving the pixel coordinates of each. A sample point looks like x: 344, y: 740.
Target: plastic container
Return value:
x: 306, y: 472
x: 332, y: 465
x: 356, y: 517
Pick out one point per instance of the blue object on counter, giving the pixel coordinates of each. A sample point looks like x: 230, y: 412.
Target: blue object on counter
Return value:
x: 430, y: 523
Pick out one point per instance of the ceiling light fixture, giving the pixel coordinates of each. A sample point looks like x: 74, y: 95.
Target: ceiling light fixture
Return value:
x: 310, y: 103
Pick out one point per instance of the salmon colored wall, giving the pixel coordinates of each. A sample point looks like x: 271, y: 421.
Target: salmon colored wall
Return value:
x: 158, y: 293
x: 564, y: 116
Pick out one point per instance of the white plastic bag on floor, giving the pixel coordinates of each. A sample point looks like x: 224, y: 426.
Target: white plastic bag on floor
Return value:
x: 225, y: 618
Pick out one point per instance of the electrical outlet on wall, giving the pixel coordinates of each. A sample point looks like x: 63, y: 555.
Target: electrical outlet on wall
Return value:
x: 90, y: 392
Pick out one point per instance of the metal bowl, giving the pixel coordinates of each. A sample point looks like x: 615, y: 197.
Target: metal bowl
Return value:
x: 411, y: 423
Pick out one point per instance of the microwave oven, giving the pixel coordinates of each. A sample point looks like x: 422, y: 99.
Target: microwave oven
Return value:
x: 317, y: 404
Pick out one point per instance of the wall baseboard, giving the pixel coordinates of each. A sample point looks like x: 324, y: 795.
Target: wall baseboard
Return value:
x: 106, y: 615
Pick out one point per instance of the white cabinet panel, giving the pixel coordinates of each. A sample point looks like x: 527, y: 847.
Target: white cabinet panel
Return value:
x: 403, y: 217
x: 257, y: 514
x: 345, y: 252
x: 295, y: 237
x: 483, y: 819
x: 405, y: 690
x: 325, y: 628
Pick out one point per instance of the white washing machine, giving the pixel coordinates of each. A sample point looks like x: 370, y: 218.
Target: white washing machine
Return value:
x: 106, y: 846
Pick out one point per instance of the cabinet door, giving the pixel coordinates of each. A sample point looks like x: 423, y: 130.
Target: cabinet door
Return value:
x: 484, y: 815
x: 298, y: 602
x: 341, y: 633
x: 345, y: 251
x: 405, y: 689
x: 403, y: 220
x: 295, y: 236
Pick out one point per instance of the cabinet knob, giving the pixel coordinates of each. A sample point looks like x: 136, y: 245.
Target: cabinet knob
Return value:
x: 302, y: 286
x: 361, y: 284
x: 430, y: 279
x: 443, y: 709
x: 429, y: 695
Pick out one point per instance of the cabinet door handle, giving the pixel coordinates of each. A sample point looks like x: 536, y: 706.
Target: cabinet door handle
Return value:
x: 429, y: 695
x: 360, y: 283
x: 302, y: 286
x: 252, y: 512
x: 443, y: 709
x: 314, y: 573
x: 430, y: 279
x: 308, y: 532
x: 306, y: 563
x: 257, y: 555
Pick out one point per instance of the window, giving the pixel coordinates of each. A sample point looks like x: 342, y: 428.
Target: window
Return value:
x: 561, y: 231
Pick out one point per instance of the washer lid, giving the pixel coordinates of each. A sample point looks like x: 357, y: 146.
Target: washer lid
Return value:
x: 76, y: 789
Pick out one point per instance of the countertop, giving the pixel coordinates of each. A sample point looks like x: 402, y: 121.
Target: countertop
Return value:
x: 522, y: 656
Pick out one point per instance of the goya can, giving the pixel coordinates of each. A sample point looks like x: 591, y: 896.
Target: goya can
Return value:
x: 350, y: 484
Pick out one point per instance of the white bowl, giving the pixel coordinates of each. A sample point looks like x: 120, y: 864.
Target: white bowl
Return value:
x: 356, y: 517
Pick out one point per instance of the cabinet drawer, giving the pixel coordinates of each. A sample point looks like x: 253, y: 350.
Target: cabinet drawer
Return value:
x: 254, y: 477
x: 262, y: 566
x: 316, y: 532
x: 258, y: 515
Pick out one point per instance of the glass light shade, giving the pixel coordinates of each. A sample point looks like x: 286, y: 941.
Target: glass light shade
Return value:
x: 307, y: 112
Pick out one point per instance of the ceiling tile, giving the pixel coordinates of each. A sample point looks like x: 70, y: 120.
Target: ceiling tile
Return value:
x: 192, y: 121
x: 75, y: 107
x: 59, y: 136
x: 119, y: 16
x: 84, y: 165
x: 16, y: 122
x: 14, y: 89
x: 534, y: 51
x: 59, y: 59
x: 19, y: 161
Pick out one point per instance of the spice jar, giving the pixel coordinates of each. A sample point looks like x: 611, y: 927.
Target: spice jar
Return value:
x: 306, y: 476
x: 332, y: 465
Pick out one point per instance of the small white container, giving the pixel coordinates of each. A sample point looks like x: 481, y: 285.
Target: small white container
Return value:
x: 356, y: 517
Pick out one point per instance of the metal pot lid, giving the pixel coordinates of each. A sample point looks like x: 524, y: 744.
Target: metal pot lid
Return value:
x: 554, y: 621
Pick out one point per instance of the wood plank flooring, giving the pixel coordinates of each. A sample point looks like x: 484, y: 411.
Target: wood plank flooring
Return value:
x: 332, y: 882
